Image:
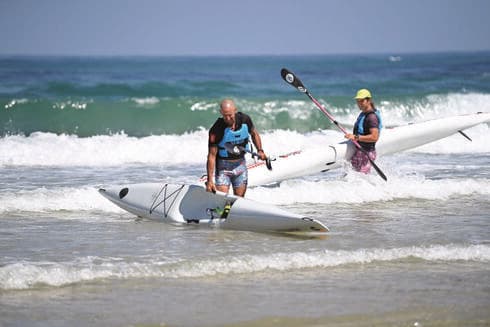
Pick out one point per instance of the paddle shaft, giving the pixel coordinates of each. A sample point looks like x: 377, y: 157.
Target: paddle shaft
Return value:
x: 268, y: 160
x: 231, y: 148
x: 254, y: 154
x: 322, y: 108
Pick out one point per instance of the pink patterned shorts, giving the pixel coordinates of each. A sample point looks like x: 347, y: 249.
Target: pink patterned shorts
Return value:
x: 360, y: 161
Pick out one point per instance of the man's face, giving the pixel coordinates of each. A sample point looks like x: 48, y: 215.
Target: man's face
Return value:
x: 228, y: 113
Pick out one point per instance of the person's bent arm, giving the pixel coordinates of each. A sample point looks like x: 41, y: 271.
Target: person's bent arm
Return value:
x: 372, y: 137
x: 258, y: 144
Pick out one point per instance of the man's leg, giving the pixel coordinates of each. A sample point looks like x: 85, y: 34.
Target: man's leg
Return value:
x: 223, y: 188
x: 239, y: 182
x: 240, y: 190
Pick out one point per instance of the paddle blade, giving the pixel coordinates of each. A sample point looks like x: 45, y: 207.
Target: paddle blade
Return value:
x: 378, y: 170
x: 268, y: 163
x: 293, y: 80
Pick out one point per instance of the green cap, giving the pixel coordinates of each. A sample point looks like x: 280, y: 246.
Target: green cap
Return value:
x: 362, y: 94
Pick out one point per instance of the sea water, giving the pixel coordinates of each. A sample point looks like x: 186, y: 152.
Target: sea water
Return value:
x: 414, y: 251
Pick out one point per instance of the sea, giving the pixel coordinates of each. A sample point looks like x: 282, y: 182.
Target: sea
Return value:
x: 412, y: 251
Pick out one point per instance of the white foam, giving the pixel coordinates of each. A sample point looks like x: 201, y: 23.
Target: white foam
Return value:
x: 79, y: 105
x: 15, y: 102
x: 146, y: 101
x: 25, y: 275
x: 63, y: 198
x: 295, y: 109
x: 430, y: 107
x: 368, y: 189
x: 47, y: 149
x: 204, y: 106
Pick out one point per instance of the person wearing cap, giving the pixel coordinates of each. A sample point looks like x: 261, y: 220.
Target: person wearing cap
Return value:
x: 366, y: 132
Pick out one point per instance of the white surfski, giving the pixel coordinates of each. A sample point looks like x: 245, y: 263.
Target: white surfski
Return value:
x: 181, y: 203
x: 392, y: 140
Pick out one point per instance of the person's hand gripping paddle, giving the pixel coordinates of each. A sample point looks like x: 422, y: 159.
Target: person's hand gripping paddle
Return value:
x: 238, y: 149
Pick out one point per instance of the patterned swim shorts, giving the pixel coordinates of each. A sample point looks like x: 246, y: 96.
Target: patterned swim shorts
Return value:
x: 231, y: 172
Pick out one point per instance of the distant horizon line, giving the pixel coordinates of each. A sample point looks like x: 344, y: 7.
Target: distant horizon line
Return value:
x: 248, y: 55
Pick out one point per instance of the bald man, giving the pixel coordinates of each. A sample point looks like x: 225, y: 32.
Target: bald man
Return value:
x: 225, y: 168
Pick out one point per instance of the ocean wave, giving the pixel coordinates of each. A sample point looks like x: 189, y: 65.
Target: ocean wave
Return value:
x: 88, y: 116
x: 49, y: 149
x: 28, y: 274
x: 412, y: 110
x: 297, y: 191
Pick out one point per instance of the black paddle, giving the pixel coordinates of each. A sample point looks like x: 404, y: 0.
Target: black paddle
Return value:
x: 238, y: 149
x: 293, y: 80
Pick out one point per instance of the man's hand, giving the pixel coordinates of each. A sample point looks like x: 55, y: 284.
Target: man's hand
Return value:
x: 262, y: 155
x: 210, y: 187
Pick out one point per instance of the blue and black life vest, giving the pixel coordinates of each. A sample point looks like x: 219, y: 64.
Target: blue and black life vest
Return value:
x: 237, y: 137
x: 361, y: 127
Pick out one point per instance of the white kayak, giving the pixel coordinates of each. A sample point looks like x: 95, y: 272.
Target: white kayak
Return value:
x: 190, y: 204
x: 392, y: 140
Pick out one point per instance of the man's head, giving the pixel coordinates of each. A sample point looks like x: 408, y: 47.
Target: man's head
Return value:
x: 228, y: 111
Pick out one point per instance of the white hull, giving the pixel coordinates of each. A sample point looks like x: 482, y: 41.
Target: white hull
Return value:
x: 410, y: 136
x: 180, y: 203
x: 392, y: 140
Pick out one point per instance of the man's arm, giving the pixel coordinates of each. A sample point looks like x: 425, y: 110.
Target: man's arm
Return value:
x: 258, y: 143
x: 211, y: 167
